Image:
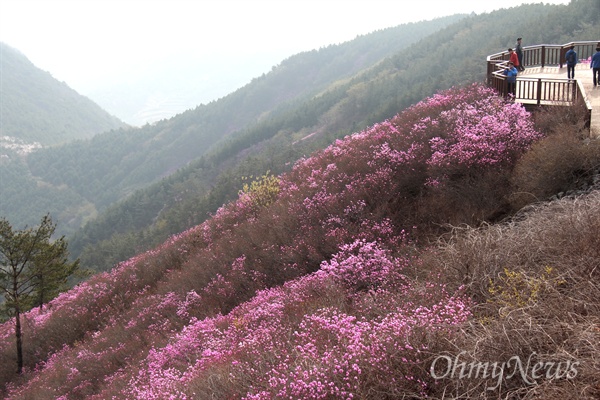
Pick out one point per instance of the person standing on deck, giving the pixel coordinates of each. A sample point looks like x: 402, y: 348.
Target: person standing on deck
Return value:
x: 511, y: 79
x: 519, y: 51
x: 595, y: 65
x: 513, y: 58
x: 571, y: 59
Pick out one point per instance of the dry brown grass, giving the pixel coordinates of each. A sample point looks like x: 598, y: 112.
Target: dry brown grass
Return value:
x: 559, y: 163
x: 554, y: 119
x: 566, y: 160
x: 536, y: 280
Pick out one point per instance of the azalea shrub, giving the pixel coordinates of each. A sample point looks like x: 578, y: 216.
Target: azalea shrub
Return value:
x: 446, y: 159
x: 300, y: 341
x: 309, y: 285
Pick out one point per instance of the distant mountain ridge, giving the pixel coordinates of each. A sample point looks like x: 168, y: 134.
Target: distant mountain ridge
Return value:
x: 454, y: 55
x: 89, y: 175
x: 35, y: 107
x: 175, y: 173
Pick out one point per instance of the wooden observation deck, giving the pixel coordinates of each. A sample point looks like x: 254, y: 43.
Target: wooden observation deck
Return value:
x: 544, y: 81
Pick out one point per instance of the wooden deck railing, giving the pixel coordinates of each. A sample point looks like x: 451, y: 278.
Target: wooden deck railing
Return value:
x: 549, y: 90
x: 555, y: 90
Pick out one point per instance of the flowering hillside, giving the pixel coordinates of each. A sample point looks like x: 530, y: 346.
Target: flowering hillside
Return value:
x: 320, y: 283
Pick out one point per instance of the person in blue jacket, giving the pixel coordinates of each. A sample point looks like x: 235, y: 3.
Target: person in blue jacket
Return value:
x: 511, y: 79
x: 571, y: 59
x: 595, y: 65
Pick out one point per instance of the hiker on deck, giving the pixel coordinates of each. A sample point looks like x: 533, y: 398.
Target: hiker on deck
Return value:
x: 514, y: 58
x: 571, y: 59
x: 519, y: 51
x: 511, y: 79
x: 595, y: 65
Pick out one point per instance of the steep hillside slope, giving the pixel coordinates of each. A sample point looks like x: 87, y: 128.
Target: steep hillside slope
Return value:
x: 354, y: 214
x: 35, y: 107
x: 452, y: 56
x: 322, y: 282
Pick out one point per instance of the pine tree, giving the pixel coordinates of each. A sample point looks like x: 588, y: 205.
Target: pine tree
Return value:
x: 33, y: 269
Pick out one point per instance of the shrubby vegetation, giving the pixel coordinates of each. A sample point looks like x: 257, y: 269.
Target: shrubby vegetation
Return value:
x: 560, y: 164
x: 332, y: 281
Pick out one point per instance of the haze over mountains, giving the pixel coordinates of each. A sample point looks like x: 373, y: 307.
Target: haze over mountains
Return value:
x: 85, y: 177
x: 184, y: 84
x: 175, y: 173
x: 35, y: 107
x: 183, y: 41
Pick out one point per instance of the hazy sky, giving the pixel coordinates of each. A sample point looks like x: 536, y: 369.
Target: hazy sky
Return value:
x: 89, y: 43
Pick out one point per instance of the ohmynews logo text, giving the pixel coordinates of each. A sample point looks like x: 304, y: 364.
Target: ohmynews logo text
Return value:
x: 444, y: 367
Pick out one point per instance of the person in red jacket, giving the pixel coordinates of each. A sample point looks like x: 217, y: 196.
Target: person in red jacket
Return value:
x: 514, y: 58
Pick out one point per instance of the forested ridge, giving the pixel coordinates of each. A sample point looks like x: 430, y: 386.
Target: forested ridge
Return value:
x: 37, y: 111
x: 97, y: 172
x: 35, y: 107
x: 452, y: 56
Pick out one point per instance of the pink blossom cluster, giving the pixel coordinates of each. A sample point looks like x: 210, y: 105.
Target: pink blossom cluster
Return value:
x: 486, y: 133
x: 294, y: 342
x: 459, y: 129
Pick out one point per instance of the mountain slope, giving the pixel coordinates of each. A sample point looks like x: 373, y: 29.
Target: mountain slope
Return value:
x: 322, y: 282
x: 37, y: 111
x: 99, y: 171
x: 327, y: 281
x: 35, y: 107
x: 357, y: 189
x: 455, y: 55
